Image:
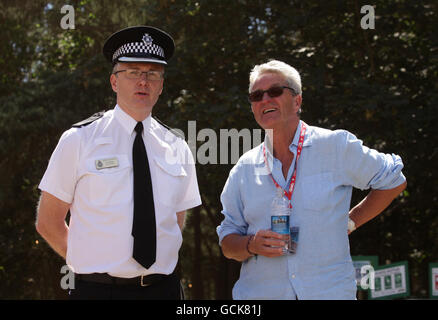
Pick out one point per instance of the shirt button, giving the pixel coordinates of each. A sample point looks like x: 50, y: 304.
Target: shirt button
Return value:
x: 293, y: 276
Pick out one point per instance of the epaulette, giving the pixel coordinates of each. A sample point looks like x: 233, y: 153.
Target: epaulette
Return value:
x: 89, y: 120
x: 176, y: 133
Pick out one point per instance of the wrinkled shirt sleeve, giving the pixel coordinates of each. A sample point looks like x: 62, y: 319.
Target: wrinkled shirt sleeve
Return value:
x: 234, y: 221
x: 366, y: 168
x: 61, y: 174
x: 190, y: 197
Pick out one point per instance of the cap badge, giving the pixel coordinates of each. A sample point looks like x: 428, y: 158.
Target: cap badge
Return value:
x: 147, y: 39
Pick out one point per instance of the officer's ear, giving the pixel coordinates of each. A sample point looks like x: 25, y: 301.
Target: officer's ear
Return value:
x: 113, y: 77
x: 113, y: 81
x: 162, y: 82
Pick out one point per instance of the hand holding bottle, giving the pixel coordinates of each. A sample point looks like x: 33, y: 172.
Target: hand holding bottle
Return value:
x: 268, y: 243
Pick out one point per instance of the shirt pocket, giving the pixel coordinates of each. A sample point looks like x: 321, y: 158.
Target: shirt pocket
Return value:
x: 170, y: 186
x: 109, y: 186
x: 318, y: 191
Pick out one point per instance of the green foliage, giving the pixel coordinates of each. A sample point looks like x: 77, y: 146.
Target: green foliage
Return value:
x: 380, y: 84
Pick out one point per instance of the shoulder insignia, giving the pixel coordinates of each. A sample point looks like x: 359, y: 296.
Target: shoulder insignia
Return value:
x: 176, y: 133
x: 89, y: 120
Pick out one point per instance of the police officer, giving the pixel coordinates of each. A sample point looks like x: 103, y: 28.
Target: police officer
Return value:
x: 126, y: 180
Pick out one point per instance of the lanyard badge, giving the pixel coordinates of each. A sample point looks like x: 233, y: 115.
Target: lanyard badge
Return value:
x: 293, y: 230
x: 290, y: 190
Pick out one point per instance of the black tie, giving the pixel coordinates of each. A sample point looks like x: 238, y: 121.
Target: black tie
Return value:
x: 143, y: 227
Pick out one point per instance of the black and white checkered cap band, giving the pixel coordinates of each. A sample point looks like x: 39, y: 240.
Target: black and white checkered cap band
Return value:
x: 138, y: 47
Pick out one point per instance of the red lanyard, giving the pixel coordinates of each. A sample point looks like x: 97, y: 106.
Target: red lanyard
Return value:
x: 289, y: 193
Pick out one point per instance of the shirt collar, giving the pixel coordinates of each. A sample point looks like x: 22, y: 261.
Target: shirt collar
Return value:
x: 128, y: 123
x: 292, y: 147
x: 296, y: 137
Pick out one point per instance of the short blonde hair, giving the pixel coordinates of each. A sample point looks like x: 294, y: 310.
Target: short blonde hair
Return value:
x: 291, y: 75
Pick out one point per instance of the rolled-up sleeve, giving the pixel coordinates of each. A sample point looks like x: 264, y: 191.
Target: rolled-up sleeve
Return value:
x: 232, y: 207
x: 366, y: 168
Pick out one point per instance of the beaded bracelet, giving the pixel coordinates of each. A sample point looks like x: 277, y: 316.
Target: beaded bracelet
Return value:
x: 247, y: 245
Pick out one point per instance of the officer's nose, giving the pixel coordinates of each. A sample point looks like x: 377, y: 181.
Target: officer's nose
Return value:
x: 143, y: 81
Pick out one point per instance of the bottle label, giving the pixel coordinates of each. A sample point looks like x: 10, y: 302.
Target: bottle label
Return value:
x: 280, y: 224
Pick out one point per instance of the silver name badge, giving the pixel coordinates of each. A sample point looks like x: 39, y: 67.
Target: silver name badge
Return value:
x: 106, y: 163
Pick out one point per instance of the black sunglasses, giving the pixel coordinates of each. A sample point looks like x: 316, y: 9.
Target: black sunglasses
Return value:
x: 273, y: 92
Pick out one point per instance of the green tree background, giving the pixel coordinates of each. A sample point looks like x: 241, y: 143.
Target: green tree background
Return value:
x: 380, y: 84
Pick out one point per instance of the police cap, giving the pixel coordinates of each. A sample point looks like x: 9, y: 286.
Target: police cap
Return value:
x: 139, y: 44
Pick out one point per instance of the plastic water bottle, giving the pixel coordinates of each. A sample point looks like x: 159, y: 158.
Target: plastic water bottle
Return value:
x: 280, y: 216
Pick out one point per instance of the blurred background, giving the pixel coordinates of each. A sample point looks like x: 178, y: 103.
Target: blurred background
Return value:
x: 381, y: 84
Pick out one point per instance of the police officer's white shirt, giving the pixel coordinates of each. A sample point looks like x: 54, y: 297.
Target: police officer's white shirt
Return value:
x: 99, y: 238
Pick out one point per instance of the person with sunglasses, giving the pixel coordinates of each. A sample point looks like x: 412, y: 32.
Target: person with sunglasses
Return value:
x: 315, y: 169
x: 126, y: 180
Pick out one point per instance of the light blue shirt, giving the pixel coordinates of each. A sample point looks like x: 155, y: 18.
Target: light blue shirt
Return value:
x: 331, y: 164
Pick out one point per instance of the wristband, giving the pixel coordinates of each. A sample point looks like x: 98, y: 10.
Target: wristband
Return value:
x: 247, y: 245
x: 351, y: 225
